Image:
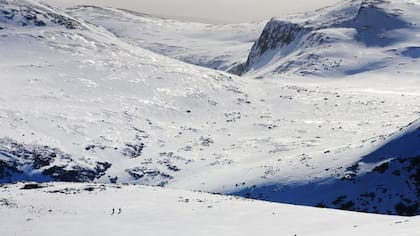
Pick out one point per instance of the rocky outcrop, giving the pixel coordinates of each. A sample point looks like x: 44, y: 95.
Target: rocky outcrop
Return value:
x: 26, y: 13
x: 277, y: 35
x: 30, y: 162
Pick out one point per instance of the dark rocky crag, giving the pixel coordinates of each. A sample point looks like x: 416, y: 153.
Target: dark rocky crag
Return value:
x: 29, y: 162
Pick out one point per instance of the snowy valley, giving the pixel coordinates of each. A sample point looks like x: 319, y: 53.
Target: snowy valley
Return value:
x: 148, y: 114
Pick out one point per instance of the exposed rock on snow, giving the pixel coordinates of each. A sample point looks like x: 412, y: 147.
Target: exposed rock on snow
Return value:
x: 26, y: 162
x: 23, y: 13
x: 352, y: 37
x: 385, y: 181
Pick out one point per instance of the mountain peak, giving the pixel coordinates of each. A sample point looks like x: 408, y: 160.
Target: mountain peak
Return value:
x: 317, y: 44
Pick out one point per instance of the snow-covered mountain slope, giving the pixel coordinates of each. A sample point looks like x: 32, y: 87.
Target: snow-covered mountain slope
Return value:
x: 86, y: 209
x: 352, y: 37
x: 20, y: 13
x: 81, y: 104
x: 222, y: 47
x: 384, y: 181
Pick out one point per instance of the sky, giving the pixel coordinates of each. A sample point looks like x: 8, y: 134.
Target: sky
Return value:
x: 215, y: 11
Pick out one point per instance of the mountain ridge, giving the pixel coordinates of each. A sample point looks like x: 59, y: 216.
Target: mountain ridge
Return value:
x: 304, y: 45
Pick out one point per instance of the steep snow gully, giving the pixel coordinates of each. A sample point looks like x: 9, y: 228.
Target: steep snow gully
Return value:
x: 325, y: 111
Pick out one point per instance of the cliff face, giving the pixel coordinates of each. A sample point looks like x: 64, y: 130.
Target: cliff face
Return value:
x: 277, y: 35
x: 325, y: 42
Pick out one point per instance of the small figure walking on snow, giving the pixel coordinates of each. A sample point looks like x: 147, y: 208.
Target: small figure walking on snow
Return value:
x: 113, y: 211
x: 119, y: 211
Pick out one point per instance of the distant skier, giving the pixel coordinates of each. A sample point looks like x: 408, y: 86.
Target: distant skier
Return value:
x: 113, y: 211
x: 119, y: 211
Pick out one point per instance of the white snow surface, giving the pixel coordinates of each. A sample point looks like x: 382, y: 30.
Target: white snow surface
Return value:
x: 84, y: 92
x: 218, y: 46
x: 86, y: 209
x: 74, y: 88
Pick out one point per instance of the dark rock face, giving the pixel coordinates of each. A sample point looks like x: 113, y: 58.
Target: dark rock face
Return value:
x: 7, y: 170
x: 276, y: 35
x: 32, y: 186
x: 77, y: 173
x: 26, y: 14
x: 150, y: 175
x: 133, y: 150
x: 25, y: 162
